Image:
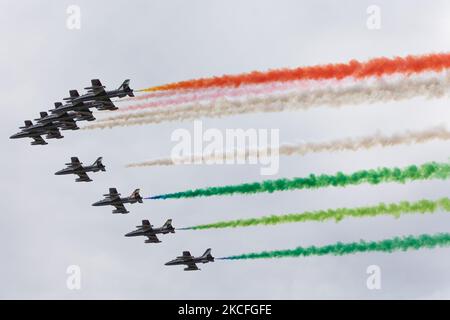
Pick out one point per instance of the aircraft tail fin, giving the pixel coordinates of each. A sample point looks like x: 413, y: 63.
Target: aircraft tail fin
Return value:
x: 136, y: 195
x: 125, y: 86
x: 58, y: 105
x: 208, y: 255
x: 168, y: 225
x: 99, y: 164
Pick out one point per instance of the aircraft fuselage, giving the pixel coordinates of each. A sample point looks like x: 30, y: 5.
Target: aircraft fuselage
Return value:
x: 80, y: 169
x: 149, y: 232
x: 111, y: 202
x: 93, y: 97
x: 187, y: 261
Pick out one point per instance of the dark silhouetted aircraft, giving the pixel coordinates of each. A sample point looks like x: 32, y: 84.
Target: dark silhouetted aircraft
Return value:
x: 76, y: 167
x: 36, y: 131
x: 80, y: 107
x: 96, y: 92
x: 191, y: 261
x: 147, y: 230
x: 78, y: 114
x: 113, y: 199
x: 63, y: 121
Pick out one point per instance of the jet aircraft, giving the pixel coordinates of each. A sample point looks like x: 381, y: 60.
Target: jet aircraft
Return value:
x: 113, y: 199
x: 76, y: 167
x: 70, y: 111
x: 190, y: 261
x: 147, y: 230
x: 36, y: 131
x: 63, y: 121
x: 96, y: 92
x: 80, y: 107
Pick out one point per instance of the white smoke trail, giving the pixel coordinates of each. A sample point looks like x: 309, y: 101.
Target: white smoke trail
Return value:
x: 212, y: 94
x: 345, y: 144
x: 379, y: 90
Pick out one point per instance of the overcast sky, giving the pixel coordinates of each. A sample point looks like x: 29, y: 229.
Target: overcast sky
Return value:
x: 47, y: 222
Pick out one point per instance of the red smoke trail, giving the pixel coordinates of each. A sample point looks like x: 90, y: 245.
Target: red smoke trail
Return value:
x: 374, y: 67
x: 187, y: 96
x: 151, y: 95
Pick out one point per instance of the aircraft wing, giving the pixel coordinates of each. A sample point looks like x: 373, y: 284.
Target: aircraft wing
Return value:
x: 83, y: 176
x: 103, y: 99
x: 38, y: 140
x: 191, y: 266
x: 146, y: 225
x: 153, y: 239
x: 85, y: 110
x: 74, y: 161
x: 85, y: 114
x: 120, y: 208
x: 96, y: 87
x: 96, y: 83
x: 186, y: 255
x: 105, y: 103
x: 113, y: 194
x: 68, y: 123
x: 54, y: 133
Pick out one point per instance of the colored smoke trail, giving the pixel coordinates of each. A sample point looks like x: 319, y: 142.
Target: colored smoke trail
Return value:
x: 429, y: 86
x: 212, y: 94
x: 352, y: 144
x: 392, y: 209
x: 359, y: 70
x: 152, y: 95
x: 339, y: 249
x: 430, y: 170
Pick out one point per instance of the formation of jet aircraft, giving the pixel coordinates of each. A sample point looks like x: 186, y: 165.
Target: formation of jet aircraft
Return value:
x: 190, y: 261
x: 113, y: 199
x: 65, y: 117
x: 147, y: 230
x: 77, y: 108
x: 76, y: 167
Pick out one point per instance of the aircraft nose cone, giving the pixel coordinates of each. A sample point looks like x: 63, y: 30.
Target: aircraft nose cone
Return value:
x: 128, y: 234
x: 14, y: 136
x: 58, y: 173
x: 96, y: 204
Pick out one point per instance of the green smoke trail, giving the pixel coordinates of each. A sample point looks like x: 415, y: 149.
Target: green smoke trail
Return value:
x: 393, y: 209
x: 430, y: 170
x: 338, y: 249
